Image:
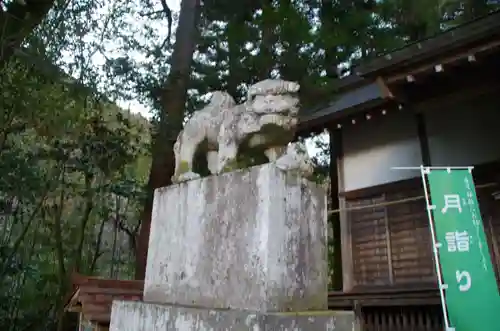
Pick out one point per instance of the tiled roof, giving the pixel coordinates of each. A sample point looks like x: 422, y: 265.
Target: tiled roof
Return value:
x: 94, y: 296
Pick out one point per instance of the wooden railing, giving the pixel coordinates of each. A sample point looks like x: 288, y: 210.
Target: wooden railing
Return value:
x: 392, y: 309
x: 409, y: 318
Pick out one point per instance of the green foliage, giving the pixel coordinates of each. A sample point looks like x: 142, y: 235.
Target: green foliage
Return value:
x: 74, y: 165
x: 70, y: 181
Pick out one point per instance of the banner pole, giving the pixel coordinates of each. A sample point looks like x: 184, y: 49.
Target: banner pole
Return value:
x: 435, y: 245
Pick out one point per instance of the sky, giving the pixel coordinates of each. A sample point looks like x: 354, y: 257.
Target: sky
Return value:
x: 136, y: 107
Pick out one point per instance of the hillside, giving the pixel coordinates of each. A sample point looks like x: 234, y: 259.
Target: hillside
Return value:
x: 73, y: 170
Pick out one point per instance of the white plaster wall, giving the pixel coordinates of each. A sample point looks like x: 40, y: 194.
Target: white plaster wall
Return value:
x: 372, y: 147
x: 463, y: 133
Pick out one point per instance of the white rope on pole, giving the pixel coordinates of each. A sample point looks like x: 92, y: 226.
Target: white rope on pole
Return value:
x: 396, y: 202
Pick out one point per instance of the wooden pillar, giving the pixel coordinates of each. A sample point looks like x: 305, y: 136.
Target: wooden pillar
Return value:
x: 423, y: 139
x: 342, y: 261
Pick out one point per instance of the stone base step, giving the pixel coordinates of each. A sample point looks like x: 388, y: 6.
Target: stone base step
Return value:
x: 141, y: 316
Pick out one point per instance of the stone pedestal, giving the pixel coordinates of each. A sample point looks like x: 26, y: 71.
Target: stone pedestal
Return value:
x: 238, y: 251
x: 251, y: 239
x: 139, y: 316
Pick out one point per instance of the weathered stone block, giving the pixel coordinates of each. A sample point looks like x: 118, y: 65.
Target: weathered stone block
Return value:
x: 326, y: 320
x: 251, y: 239
x: 139, y: 316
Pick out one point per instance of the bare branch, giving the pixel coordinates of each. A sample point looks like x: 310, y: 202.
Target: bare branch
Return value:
x: 153, y: 13
x: 131, y: 233
x: 168, y: 13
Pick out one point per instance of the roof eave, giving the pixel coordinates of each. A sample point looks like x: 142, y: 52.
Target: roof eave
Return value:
x: 364, y: 97
x: 465, y: 35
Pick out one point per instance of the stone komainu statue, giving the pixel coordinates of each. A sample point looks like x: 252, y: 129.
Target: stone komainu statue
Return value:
x: 266, y: 122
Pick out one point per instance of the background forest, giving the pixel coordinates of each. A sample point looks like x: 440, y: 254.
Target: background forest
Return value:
x: 77, y: 171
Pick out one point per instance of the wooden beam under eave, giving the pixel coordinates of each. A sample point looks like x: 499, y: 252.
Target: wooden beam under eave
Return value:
x: 370, y: 95
x: 456, y: 96
x: 386, y: 92
x: 469, y: 55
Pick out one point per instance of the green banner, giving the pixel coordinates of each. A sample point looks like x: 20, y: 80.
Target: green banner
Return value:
x: 471, y: 290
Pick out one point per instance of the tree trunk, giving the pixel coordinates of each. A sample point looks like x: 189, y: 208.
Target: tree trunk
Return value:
x: 17, y: 22
x: 235, y: 25
x: 173, y: 100
x: 268, y: 42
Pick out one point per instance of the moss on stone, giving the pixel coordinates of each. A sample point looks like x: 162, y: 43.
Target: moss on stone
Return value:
x: 315, y: 303
x: 231, y: 166
x: 183, y: 167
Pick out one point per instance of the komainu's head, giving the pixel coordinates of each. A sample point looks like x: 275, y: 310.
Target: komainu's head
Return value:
x: 274, y: 96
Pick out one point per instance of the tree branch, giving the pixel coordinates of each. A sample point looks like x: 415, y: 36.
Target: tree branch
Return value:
x: 18, y: 20
x: 165, y: 9
x: 89, y: 205
x: 168, y: 14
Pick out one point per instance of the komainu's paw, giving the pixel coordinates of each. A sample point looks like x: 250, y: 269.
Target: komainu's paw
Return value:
x: 185, y: 177
x: 296, y: 159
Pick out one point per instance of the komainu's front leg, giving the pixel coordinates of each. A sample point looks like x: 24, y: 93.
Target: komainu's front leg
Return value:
x: 275, y: 152
x: 184, y: 150
x: 213, y: 162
